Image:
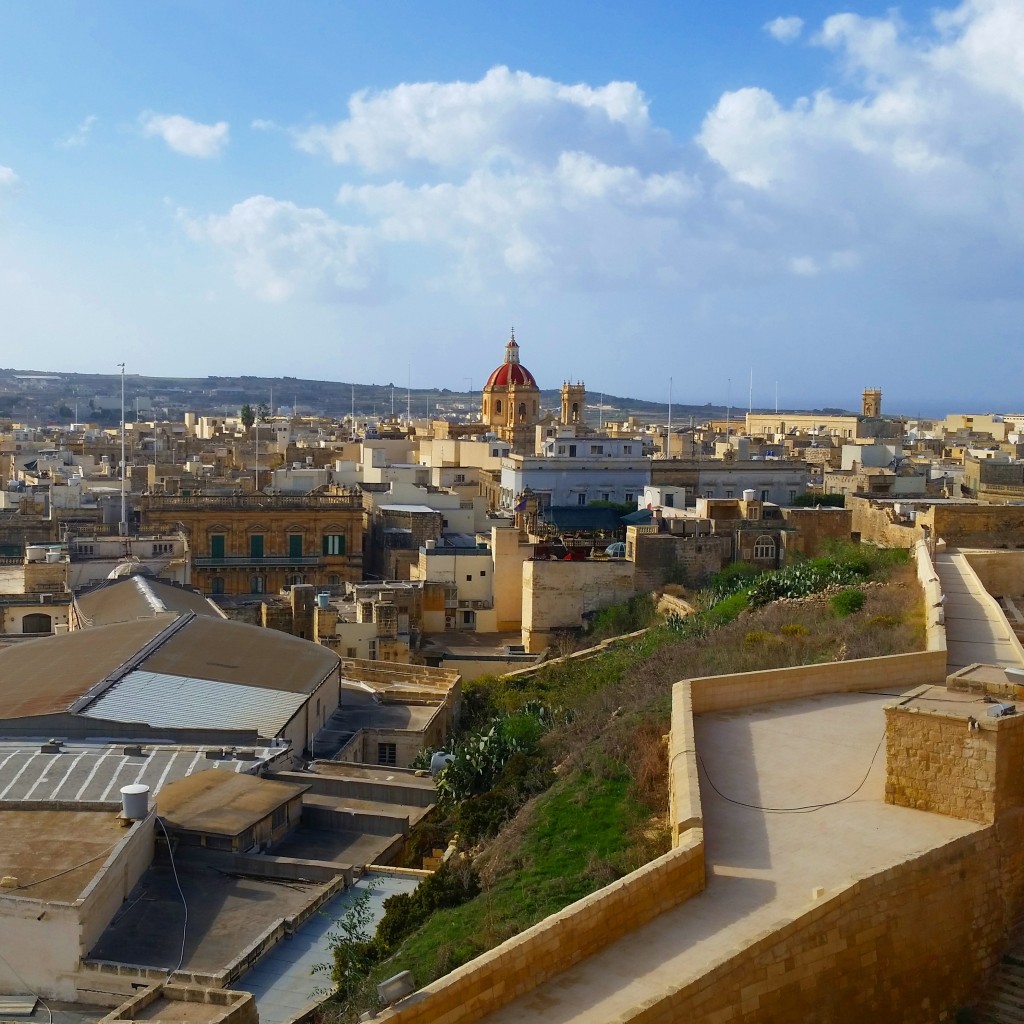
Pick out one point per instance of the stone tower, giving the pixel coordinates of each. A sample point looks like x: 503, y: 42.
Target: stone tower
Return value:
x: 871, y: 403
x: 574, y: 397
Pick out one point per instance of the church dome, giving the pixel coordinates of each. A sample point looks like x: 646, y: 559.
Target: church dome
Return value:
x: 511, y: 372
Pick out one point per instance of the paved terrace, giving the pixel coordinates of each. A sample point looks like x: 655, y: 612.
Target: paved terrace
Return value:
x: 761, y: 865
x: 976, y: 632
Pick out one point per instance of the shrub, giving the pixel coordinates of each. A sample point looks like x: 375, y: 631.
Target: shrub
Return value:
x: 794, y: 629
x: 757, y: 637
x: 884, y: 621
x: 846, y: 602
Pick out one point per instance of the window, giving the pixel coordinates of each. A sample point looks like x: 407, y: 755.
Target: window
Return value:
x: 467, y: 618
x: 36, y: 622
x: 334, y: 543
x: 279, y: 817
x: 350, y: 652
x: 257, y: 584
x: 256, y: 545
x: 497, y: 407
x: 764, y: 495
x: 469, y: 578
x: 294, y: 545
x: 606, y: 496
x: 709, y: 494
x: 572, y: 451
x: 217, y: 545
x: 217, y: 585
x: 597, y: 449
x: 792, y: 495
x: 561, y: 449
x: 387, y: 753
x: 764, y: 547
x: 483, y: 572
x: 627, y: 449
x: 295, y: 580
x: 729, y: 493
x: 334, y: 580
x: 630, y: 497
x: 460, y: 478
x: 670, y: 499
x: 581, y: 499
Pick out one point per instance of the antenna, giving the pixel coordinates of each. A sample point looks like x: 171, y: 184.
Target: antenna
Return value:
x: 750, y: 397
x: 728, y: 406
x: 408, y: 395
x: 668, y: 429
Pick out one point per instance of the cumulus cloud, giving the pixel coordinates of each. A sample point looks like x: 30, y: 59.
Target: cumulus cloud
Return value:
x: 785, y: 30
x: 506, y: 116
x: 185, y: 136
x: 905, y: 166
x: 80, y: 135
x: 7, y: 177
x: 281, y: 250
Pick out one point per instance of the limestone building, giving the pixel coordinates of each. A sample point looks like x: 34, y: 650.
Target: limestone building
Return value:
x: 511, y: 400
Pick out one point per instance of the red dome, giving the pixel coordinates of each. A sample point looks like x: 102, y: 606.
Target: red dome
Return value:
x: 510, y: 373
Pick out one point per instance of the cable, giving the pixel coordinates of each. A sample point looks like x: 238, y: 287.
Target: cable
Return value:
x: 14, y: 971
x: 806, y: 808
x: 181, y: 893
x: 67, y: 871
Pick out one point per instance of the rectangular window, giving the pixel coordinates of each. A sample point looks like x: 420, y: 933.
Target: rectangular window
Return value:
x: 257, y: 585
x: 469, y: 578
x: 630, y: 497
x: 256, y: 545
x: 581, y: 499
x: 334, y: 543
x: 792, y: 495
x: 279, y: 817
x: 606, y: 496
x: 561, y: 449
x: 572, y: 451
x: 764, y: 495
x: 729, y: 493
x: 294, y: 545
x: 597, y: 449
x: 387, y: 753
x: 627, y: 449
x: 483, y: 572
x: 217, y: 545
x: 350, y: 652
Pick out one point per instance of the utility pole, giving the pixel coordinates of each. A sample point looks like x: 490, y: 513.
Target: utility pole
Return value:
x: 668, y: 430
x: 124, y: 507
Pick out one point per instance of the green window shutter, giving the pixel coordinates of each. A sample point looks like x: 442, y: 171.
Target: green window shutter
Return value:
x: 295, y: 545
x: 217, y: 545
x: 256, y: 545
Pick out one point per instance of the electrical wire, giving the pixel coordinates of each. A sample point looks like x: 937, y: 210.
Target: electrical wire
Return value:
x: 181, y: 893
x: 805, y: 808
x: 14, y: 971
x: 67, y: 871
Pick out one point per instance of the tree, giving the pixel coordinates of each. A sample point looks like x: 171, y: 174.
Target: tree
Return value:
x: 248, y: 416
x: 262, y: 413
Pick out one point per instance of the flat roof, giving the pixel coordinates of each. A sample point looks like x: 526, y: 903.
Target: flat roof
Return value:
x: 54, y: 854
x: 97, y: 771
x: 224, y: 803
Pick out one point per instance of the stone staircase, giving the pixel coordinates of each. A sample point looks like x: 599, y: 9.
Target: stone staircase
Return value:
x: 1004, y: 997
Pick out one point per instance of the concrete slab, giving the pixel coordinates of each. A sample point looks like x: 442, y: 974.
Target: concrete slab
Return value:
x: 226, y: 914
x: 761, y: 864
x: 341, y: 848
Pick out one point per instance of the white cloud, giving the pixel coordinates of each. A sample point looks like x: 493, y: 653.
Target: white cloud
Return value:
x: 80, y: 135
x: 185, y: 136
x: 506, y: 116
x: 785, y: 30
x: 281, y: 250
x: 261, y: 124
x: 7, y: 177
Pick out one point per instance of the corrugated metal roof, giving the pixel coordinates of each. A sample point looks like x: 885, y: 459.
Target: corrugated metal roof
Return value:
x: 183, y: 702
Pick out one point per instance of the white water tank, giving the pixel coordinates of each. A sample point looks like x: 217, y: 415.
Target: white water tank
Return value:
x: 135, y: 801
x: 440, y: 760
x: 749, y: 494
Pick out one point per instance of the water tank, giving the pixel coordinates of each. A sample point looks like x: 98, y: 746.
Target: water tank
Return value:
x: 323, y: 601
x: 749, y: 494
x: 439, y: 760
x: 54, y: 556
x: 35, y: 552
x: 430, y: 545
x: 135, y: 801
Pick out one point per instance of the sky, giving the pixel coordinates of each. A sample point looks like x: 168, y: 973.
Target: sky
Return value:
x: 727, y: 202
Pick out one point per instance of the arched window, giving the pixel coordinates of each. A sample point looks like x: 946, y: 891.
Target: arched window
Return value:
x: 522, y: 412
x: 575, y: 412
x: 764, y: 547
x: 257, y: 584
x: 497, y: 407
x: 295, y: 580
x: 217, y: 585
x: 36, y: 622
x: 334, y: 580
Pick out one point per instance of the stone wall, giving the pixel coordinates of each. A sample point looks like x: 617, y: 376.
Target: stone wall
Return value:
x: 745, y: 689
x: 908, y: 944
x: 1000, y: 572
x: 976, y: 526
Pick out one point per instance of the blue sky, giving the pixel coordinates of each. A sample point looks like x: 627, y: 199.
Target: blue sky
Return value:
x: 828, y: 196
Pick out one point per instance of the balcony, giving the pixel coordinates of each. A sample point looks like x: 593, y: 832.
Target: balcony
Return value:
x: 236, y: 561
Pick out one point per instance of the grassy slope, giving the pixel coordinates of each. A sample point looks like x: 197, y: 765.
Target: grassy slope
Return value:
x: 599, y: 820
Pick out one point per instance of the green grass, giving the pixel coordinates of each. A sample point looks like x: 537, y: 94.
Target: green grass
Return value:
x: 579, y: 831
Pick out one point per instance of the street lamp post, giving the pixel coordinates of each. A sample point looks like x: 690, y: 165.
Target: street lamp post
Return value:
x: 124, y: 512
